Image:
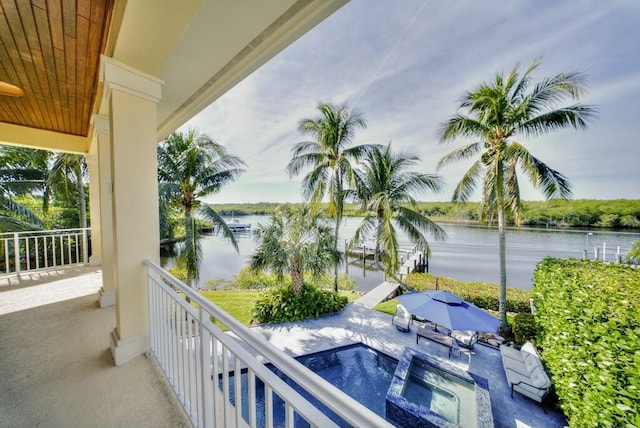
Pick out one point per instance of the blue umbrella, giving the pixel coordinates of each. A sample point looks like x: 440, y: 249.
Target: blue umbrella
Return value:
x: 449, y: 310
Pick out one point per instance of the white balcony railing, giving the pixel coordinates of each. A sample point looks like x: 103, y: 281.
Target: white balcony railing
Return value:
x: 202, y: 363
x: 43, y: 249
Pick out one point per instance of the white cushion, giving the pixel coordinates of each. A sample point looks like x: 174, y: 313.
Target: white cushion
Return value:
x: 539, y: 379
x: 513, y: 353
x: 529, y: 348
x: 531, y: 363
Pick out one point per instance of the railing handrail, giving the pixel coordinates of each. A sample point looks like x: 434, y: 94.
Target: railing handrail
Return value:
x: 250, y: 360
x: 45, y: 232
x: 37, y: 250
x: 335, y: 399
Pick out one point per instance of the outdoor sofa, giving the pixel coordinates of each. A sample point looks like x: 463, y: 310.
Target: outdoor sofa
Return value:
x: 525, y: 372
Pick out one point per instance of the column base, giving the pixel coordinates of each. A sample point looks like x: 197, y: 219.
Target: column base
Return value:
x: 95, y: 261
x: 124, y: 350
x: 107, y: 298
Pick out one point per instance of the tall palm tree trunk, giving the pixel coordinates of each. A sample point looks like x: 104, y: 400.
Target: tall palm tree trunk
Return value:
x: 502, y: 248
x: 376, y: 253
x: 337, y: 265
x: 297, y: 277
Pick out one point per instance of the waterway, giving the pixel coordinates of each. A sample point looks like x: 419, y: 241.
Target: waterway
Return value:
x: 470, y: 252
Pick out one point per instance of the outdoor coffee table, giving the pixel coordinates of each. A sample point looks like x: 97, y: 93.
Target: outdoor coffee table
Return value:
x: 427, y: 333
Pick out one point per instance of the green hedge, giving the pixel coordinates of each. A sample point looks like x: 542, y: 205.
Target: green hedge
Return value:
x: 481, y: 294
x: 281, y: 304
x: 524, y: 327
x: 588, y: 317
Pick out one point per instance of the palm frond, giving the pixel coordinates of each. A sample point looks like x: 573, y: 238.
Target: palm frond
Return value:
x: 460, y: 153
x: 20, y: 211
x: 518, y: 90
x: 576, y: 116
x: 364, y: 231
x: 412, y: 221
x: 468, y: 183
x: 461, y: 126
x: 552, y: 183
x: 12, y: 224
x: 387, y: 238
x: 219, y: 224
x: 512, y: 200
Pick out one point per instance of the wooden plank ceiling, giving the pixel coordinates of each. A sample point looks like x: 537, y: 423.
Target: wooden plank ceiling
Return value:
x: 51, y: 50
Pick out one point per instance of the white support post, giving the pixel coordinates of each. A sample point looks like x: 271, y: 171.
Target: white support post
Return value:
x: 16, y: 252
x: 130, y: 97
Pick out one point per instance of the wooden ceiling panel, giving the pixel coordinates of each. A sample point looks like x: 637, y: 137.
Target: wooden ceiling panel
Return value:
x: 51, y: 49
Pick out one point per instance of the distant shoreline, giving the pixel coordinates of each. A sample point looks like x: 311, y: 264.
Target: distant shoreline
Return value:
x: 611, y: 214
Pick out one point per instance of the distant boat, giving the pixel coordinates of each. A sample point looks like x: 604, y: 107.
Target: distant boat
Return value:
x: 235, y: 226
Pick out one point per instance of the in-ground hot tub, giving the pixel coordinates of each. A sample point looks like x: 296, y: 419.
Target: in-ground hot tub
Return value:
x: 426, y: 392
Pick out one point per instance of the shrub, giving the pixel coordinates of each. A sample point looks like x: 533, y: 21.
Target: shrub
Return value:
x: 180, y: 272
x: 248, y: 279
x: 481, y: 294
x: 633, y: 256
x: 252, y: 279
x: 524, y: 327
x: 281, y: 304
x: 587, y: 316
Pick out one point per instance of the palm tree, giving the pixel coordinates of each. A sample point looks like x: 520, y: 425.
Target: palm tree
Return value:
x: 22, y: 172
x: 496, y: 113
x: 191, y: 166
x: 330, y: 155
x: 386, y: 184
x: 295, y: 241
x: 67, y: 177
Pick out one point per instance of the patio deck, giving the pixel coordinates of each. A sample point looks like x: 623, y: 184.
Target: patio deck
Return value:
x: 56, y: 368
x: 359, y: 323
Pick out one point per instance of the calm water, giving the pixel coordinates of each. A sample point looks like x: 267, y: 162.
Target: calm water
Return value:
x: 470, y: 253
x: 359, y: 371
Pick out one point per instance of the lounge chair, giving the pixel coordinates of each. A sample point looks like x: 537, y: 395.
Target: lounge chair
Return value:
x: 401, y: 319
x: 525, y: 372
x: 465, y: 338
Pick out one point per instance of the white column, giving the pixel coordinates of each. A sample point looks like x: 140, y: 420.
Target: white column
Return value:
x: 132, y: 97
x: 101, y: 145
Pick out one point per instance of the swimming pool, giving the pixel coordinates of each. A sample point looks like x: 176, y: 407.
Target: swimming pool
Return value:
x: 360, y: 371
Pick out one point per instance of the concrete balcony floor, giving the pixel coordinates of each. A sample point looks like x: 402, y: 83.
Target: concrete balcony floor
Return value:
x: 56, y: 368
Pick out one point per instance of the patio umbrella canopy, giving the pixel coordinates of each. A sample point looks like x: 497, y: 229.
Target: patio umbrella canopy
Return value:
x: 449, y: 311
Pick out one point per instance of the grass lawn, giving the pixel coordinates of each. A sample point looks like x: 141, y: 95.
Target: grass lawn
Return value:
x: 388, y: 307
x: 239, y: 303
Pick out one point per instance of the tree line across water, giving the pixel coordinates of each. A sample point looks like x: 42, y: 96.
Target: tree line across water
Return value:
x: 591, y: 213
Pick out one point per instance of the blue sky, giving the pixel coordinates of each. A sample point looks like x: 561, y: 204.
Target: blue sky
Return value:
x: 405, y: 64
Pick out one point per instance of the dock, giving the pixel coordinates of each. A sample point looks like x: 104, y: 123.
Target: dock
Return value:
x: 415, y: 262
x: 379, y: 294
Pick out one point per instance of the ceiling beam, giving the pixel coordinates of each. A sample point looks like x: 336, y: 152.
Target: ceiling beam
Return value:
x: 23, y: 136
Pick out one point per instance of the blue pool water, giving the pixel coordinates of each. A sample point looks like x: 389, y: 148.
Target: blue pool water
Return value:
x: 360, y: 371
